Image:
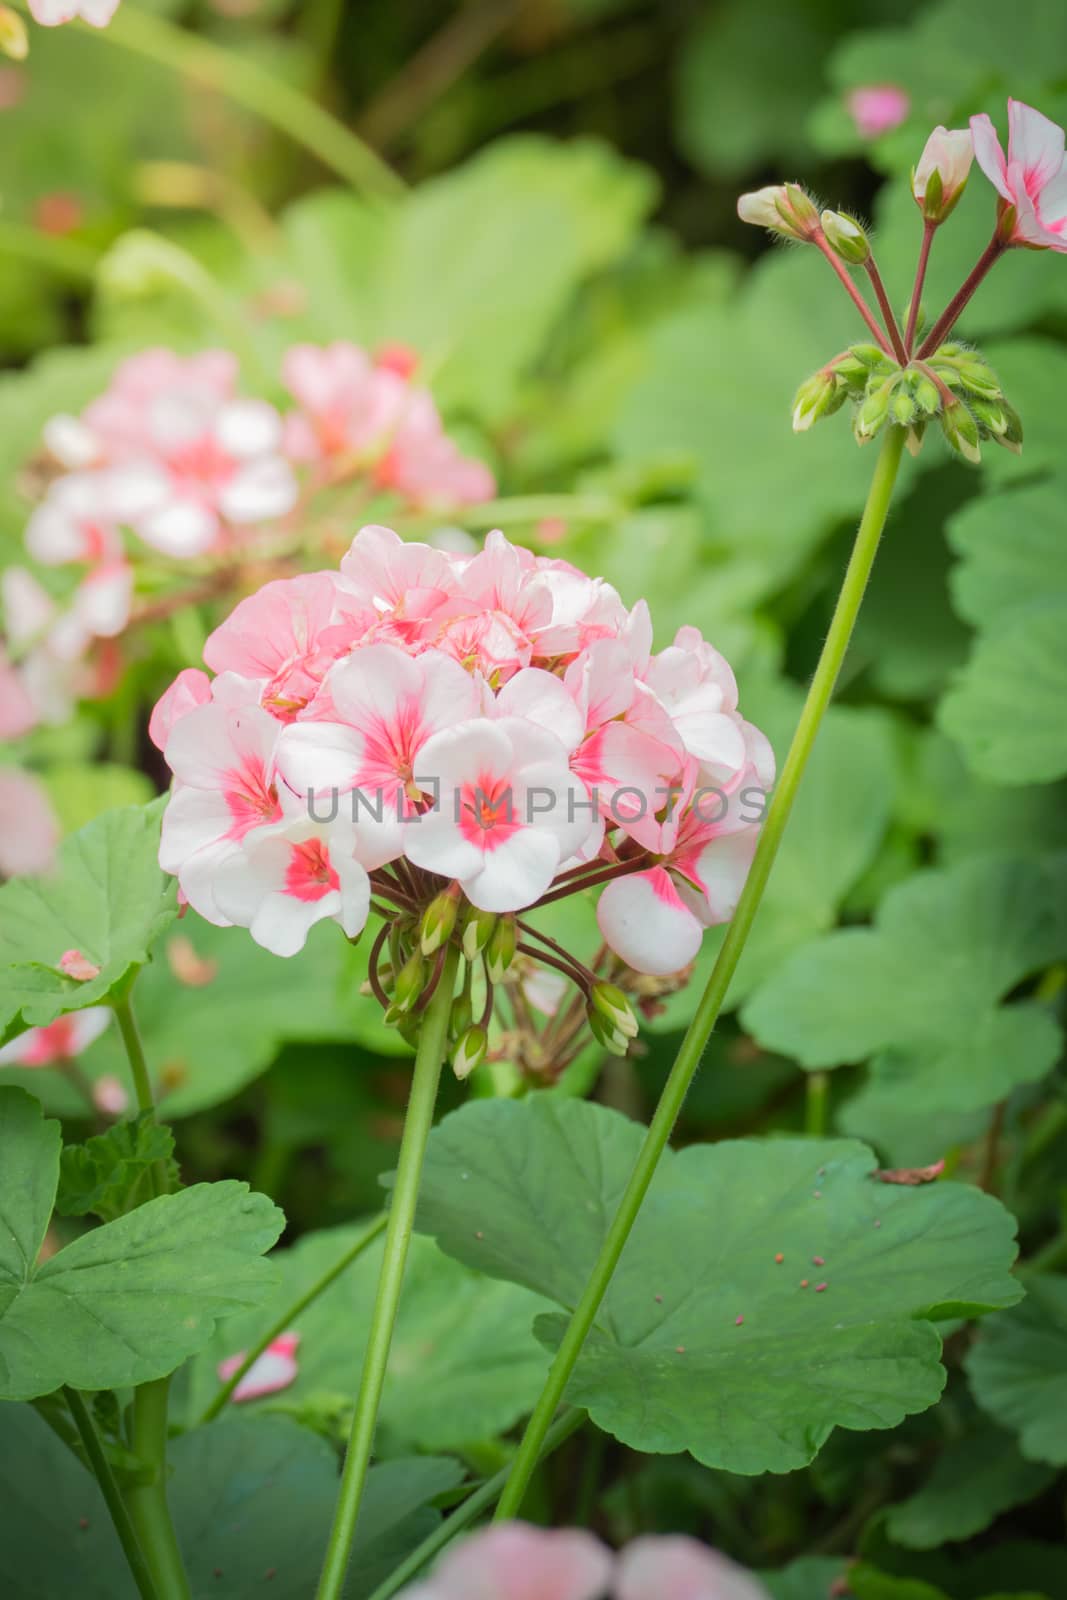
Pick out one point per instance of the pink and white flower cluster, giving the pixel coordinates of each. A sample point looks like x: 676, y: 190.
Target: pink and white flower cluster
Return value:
x: 515, y: 1561
x: 52, y: 13
x: 497, y: 721
x: 175, y: 456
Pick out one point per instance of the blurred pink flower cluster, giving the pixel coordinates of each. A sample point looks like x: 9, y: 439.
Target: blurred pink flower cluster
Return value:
x: 515, y: 1561
x: 174, y: 456
x: 499, y: 722
x: 51, y: 13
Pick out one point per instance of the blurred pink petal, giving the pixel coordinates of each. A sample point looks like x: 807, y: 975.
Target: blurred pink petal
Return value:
x: 29, y: 831
x: 676, y: 1568
x: 878, y: 107
x: 271, y: 1372
x: 110, y: 1095
x: 513, y: 1561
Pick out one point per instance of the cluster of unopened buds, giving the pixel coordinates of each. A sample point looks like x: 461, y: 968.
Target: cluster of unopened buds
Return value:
x: 452, y: 741
x: 910, y: 376
x: 173, y: 465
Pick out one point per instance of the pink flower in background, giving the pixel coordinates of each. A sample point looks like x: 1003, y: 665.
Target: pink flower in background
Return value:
x: 355, y: 411
x: 676, y: 1568
x: 17, y: 711
x: 62, y: 1040
x: 110, y: 1095
x: 877, y: 108
x: 515, y: 1561
x: 50, y: 13
x: 188, y: 458
x: 1031, y: 179
x: 271, y: 1372
x: 29, y: 830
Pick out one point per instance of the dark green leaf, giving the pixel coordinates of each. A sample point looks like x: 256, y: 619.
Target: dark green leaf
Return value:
x: 525, y: 1191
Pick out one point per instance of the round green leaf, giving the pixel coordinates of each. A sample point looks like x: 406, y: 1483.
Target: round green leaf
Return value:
x: 705, y: 1342
x: 107, y: 898
x: 463, y: 1364
x: 922, y: 990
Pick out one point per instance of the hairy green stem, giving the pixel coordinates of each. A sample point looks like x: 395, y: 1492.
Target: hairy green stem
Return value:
x: 566, y: 1424
x: 127, y: 1535
x: 429, y: 1057
x: 289, y: 1316
x: 711, y: 1002
x: 147, y: 1502
x: 241, y: 79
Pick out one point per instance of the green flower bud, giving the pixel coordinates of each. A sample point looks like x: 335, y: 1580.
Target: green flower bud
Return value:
x: 927, y: 394
x: 902, y: 407
x: 611, y: 1038
x: 500, y: 951
x: 461, y: 1016
x: 470, y: 1052
x: 438, y: 921
x: 846, y: 237
x: 615, y: 1008
x: 477, y: 930
x: 1000, y: 422
x: 961, y: 431
x: 872, y: 356
x: 782, y: 207
x: 979, y: 378
x: 874, y: 412
x: 410, y: 982
x: 818, y: 396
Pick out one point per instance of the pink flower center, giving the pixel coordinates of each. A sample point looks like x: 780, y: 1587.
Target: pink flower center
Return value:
x: 487, y: 813
x: 56, y: 1042
x: 250, y: 799
x: 309, y: 875
x: 201, y: 465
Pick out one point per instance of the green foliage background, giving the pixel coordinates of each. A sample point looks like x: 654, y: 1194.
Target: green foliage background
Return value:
x: 565, y: 255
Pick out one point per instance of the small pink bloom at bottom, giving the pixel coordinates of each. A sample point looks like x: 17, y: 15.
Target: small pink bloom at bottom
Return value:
x: 676, y: 1568
x: 50, y: 13
x: 877, y: 108
x: 271, y: 1372
x: 513, y: 1561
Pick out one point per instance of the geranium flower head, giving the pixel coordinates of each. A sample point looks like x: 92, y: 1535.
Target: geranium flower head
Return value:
x: 477, y: 732
x: 1031, y: 179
